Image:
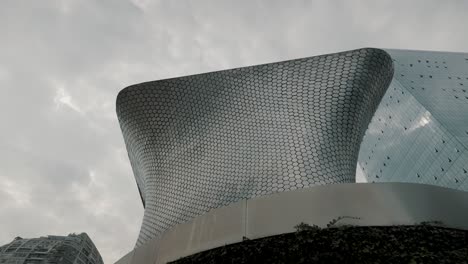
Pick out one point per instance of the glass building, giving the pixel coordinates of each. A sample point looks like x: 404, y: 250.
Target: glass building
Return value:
x: 419, y: 132
x: 71, y: 249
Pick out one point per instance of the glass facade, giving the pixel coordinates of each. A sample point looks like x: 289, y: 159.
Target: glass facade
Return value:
x: 419, y: 133
x: 71, y: 249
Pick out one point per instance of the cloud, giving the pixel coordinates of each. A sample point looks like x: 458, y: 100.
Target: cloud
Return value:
x: 63, y: 164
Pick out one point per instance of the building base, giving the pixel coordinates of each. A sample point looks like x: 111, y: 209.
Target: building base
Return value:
x: 358, y: 204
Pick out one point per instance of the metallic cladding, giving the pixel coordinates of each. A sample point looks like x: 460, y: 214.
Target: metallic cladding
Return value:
x: 204, y: 141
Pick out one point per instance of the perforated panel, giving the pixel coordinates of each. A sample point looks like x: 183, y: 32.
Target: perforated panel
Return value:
x: 205, y: 141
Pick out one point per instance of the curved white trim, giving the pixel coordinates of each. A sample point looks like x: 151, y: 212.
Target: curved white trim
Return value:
x: 378, y: 204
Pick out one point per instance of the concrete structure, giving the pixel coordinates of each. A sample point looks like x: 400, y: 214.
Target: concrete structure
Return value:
x: 377, y: 204
x: 71, y: 249
x: 207, y: 141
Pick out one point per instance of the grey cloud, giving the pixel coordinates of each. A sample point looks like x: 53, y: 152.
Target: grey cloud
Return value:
x: 63, y: 164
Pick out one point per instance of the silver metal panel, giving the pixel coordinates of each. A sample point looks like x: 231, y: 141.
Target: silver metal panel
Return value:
x: 374, y: 204
x: 223, y: 226
x: 205, y: 141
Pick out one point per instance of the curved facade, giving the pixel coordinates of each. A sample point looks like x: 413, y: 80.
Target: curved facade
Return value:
x: 419, y: 133
x: 205, y: 141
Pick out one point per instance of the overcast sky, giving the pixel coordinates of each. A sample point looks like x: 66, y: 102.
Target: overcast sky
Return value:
x: 63, y: 164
